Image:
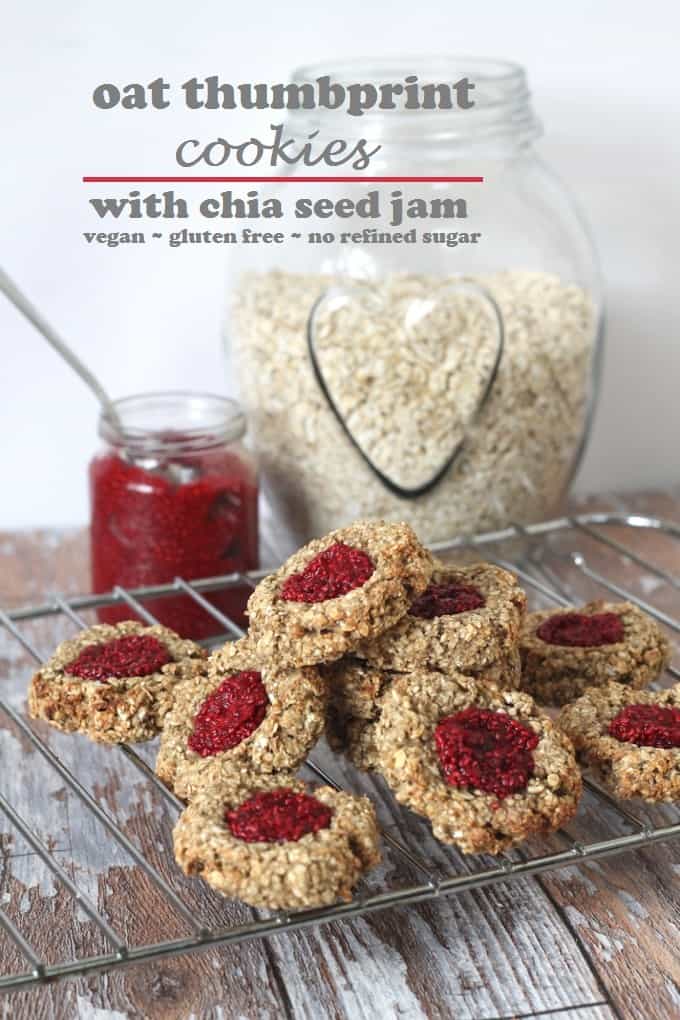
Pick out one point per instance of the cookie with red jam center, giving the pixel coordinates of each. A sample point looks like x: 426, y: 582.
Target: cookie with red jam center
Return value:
x: 487, y: 767
x: 229, y: 714
x: 121, y: 657
x: 565, y: 651
x: 336, y: 571
x: 115, y: 683
x: 485, y: 750
x: 278, y: 816
x: 647, y: 725
x: 337, y: 591
x: 581, y: 630
x: 242, y: 716
x: 273, y: 841
x: 356, y: 689
x: 447, y: 599
x: 630, y: 739
x: 467, y: 621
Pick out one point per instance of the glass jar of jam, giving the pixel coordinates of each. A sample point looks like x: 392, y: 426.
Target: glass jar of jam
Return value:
x: 173, y: 493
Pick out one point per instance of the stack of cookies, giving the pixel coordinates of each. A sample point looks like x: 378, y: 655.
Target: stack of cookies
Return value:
x: 467, y: 622
x: 251, y: 829
x: 423, y: 687
x: 430, y: 674
x: 420, y: 665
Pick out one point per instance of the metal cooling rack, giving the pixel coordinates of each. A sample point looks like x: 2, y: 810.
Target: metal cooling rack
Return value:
x: 530, y: 553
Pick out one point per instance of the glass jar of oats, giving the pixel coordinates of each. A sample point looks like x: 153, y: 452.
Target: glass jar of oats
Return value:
x: 420, y: 350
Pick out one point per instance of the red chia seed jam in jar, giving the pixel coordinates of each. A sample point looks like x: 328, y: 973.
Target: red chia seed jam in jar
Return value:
x: 173, y: 493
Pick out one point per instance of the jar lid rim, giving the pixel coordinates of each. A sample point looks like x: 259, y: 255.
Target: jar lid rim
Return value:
x: 209, y: 419
x: 501, y: 101
x: 420, y: 63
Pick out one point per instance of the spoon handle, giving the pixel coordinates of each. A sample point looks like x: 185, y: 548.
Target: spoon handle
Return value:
x: 21, y: 302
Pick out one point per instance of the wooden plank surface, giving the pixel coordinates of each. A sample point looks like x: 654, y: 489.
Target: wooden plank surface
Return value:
x: 626, y: 910
x: 413, y: 963
x: 598, y: 942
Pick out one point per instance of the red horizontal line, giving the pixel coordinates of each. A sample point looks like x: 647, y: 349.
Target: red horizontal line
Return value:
x: 281, y: 180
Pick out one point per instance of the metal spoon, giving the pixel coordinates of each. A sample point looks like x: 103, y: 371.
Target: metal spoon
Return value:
x: 21, y: 302
x: 177, y: 473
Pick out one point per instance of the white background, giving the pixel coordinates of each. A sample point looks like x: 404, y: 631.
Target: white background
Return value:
x: 605, y: 79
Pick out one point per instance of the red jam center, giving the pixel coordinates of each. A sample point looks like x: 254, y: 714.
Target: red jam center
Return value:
x: 647, y: 725
x: 486, y: 750
x: 148, y: 528
x: 230, y: 714
x: 577, y: 630
x: 278, y: 816
x: 446, y: 600
x: 132, y: 655
x: 332, y: 573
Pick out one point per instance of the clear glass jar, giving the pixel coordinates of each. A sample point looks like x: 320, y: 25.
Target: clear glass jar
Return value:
x: 447, y: 378
x: 173, y: 493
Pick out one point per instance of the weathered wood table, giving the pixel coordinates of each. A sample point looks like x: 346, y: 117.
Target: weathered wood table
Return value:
x: 598, y: 940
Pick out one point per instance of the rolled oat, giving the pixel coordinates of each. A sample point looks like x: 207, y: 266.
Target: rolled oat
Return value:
x: 407, y: 393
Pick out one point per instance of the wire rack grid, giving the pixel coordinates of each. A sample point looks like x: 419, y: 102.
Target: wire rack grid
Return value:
x: 527, y: 545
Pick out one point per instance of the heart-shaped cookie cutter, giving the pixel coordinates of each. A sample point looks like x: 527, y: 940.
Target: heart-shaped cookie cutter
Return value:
x: 349, y: 292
